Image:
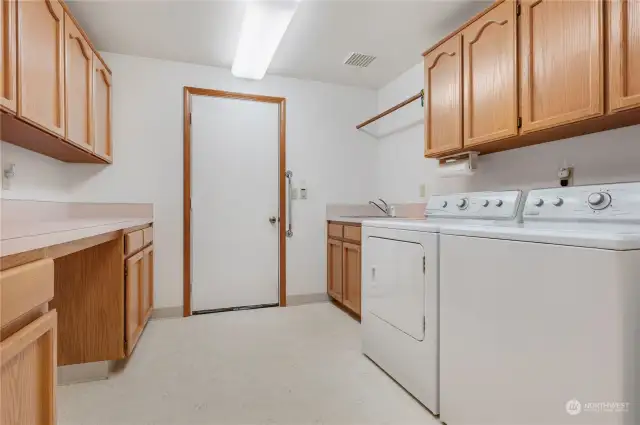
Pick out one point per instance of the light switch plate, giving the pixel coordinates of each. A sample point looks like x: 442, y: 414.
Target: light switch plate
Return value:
x: 294, y: 193
x: 303, y: 193
x: 423, y: 190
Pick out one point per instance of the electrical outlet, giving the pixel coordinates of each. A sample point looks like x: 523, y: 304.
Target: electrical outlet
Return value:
x: 8, y: 172
x: 423, y: 190
x: 303, y: 193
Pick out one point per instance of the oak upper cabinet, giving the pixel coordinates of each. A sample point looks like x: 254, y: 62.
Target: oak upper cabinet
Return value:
x: 41, y: 64
x: 443, y: 98
x: 102, y: 110
x: 147, y: 284
x: 8, y: 45
x: 561, y: 55
x: 334, y: 269
x: 351, y: 272
x: 624, y: 54
x: 134, y: 309
x: 78, y: 89
x: 490, y: 76
x: 28, y: 374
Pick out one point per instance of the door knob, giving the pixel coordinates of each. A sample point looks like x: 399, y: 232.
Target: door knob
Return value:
x: 272, y: 220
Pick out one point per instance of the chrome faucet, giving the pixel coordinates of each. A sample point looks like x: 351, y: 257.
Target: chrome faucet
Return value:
x: 385, y: 210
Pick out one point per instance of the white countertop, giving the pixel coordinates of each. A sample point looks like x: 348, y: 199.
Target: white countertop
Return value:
x: 17, y: 237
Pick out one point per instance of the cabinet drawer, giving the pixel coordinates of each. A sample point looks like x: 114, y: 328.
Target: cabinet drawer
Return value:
x: 24, y: 288
x: 133, y: 242
x: 335, y: 230
x: 147, y: 235
x: 353, y: 233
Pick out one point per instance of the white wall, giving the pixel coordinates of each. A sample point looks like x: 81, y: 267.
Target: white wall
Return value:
x: 611, y: 156
x: 323, y: 148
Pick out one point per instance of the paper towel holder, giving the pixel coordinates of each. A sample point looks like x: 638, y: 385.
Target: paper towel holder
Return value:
x: 470, y: 156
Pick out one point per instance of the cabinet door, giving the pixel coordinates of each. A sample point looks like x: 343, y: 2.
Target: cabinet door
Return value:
x: 351, y: 273
x: 102, y: 110
x: 334, y: 269
x: 147, y: 286
x: 561, y: 52
x: 28, y: 374
x: 443, y: 98
x: 8, y: 33
x: 41, y: 64
x: 78, y: 74
x: 490, y: 76
x: 134, y: 310
x: 624, y: 54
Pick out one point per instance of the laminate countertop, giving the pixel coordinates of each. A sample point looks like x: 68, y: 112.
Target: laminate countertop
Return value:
x: 22, y: 236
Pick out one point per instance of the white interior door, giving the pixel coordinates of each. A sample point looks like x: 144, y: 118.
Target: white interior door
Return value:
x: 234, y: 192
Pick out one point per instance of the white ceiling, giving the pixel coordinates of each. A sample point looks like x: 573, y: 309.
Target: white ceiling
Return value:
x: 320, y: 37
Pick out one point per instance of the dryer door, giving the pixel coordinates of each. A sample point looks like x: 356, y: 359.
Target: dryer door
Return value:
x: 396, y: 283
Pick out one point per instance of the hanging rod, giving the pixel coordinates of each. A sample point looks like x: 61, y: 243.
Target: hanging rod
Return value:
x: 420, y: 95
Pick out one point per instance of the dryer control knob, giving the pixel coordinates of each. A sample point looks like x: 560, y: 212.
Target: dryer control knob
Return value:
x: 558, y: 201
x: 499, y: 203
x: 444, y: 204
x: 538, y: 202
x: 462, y: 203
x: 599, y: 200
x: 485, y: 203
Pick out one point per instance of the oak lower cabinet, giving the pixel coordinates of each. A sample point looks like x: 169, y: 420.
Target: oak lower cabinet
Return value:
x: 562, y: 61
x: 41, y: 64
x: 28, y: 351
x: 8, y: 46
x: 624, y: 54
x: 344, y: 266
x: 138, y: 290
x: 443, y: 98
x: 351, y: 272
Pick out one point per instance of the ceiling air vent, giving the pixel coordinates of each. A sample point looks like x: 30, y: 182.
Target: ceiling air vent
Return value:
x: 360, y: 60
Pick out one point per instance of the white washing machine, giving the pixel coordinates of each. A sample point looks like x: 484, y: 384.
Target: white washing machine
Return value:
x: 540, y: 325
x: 400, y: 283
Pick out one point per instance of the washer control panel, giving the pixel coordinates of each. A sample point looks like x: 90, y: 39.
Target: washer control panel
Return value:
x: 617, y: 201
x: 485, y: 205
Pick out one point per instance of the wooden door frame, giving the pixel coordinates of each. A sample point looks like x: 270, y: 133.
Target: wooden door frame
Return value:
x: 186, y: 266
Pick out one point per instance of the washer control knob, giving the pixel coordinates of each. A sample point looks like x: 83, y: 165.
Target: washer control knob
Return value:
x: 444, y: 204
x: 558, y: 201
x: 499, y: 202
x: 599, y: 200
x: 485, y: 203
x: 538, y: 202
x: 462, y: 203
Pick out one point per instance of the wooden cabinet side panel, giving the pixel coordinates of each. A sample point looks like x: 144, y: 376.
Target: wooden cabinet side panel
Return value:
x: 78, y: 85
x: 334, y: 269
x: 147, y: 285
x: 443, y: 97
x: 351, y: 277
x: 624, y: 54
x: 490, y: 76
x: 28, y: 374
x: 8, y: 46
x: 102, y: 110
x: 41, y: 64
x: 89, y: 296
x: 562, y: 60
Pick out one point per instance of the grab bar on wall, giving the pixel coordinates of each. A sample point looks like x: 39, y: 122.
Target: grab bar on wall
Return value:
x: 289, y: 176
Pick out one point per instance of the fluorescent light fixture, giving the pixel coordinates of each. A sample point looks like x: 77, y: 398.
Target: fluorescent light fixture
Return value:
x: 263, y: 27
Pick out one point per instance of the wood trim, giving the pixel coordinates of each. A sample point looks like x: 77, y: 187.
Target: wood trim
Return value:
x: 186, y: 202
x: 390, y: 110
x: 463, y: 26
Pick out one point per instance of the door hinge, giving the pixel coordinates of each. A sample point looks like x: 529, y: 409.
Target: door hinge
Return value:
x: 126, y: 273
x: 424, y: 264
x: 518, y: 11
x: 519, y: 122
x: 189, y: 117
x: 424, y: 324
